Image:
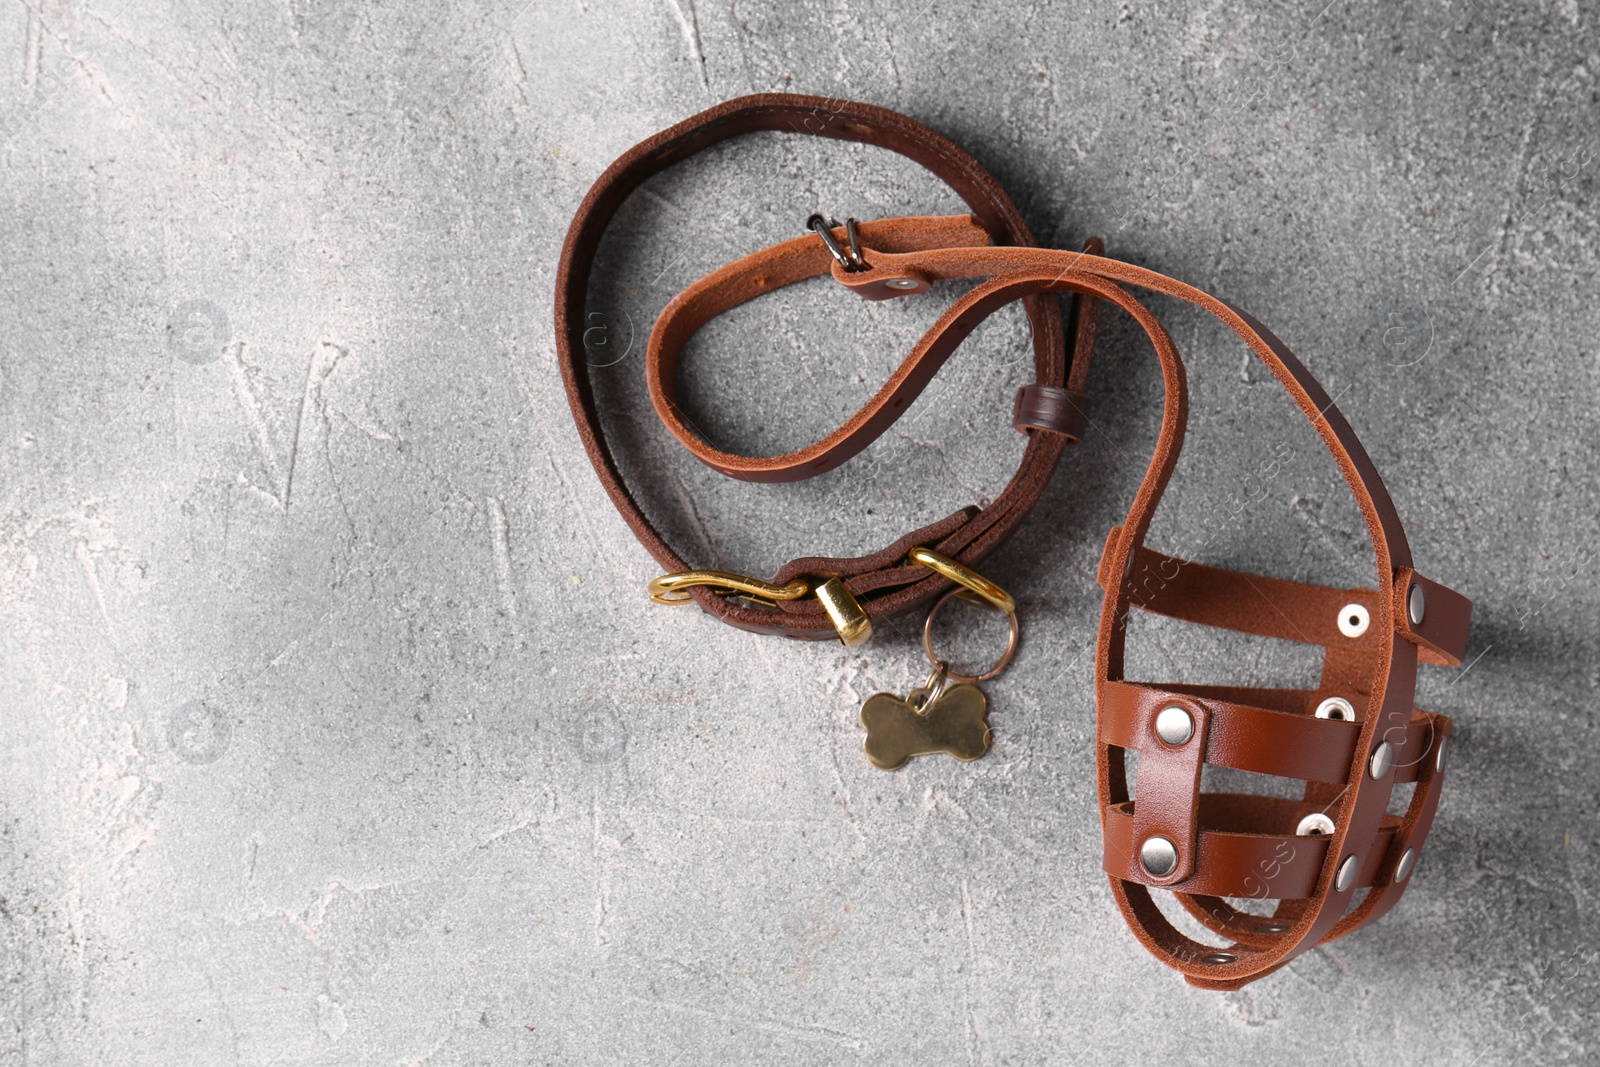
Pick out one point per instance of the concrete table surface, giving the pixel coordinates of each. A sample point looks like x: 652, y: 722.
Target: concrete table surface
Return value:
x: 336, y: 727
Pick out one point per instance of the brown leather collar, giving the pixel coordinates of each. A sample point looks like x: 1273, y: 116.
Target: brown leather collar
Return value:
x: 1351, y: 738
x: 883, y: 583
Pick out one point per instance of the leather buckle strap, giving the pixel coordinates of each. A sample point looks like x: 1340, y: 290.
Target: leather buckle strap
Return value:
x: 1293, y: 611
x: 837, y: 600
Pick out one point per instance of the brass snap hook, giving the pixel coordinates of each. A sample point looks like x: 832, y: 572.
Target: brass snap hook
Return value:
x: 849, y: 618
x: 963, y: 575
x: 673, y: 588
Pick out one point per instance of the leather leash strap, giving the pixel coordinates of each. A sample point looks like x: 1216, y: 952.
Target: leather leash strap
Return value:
x: 1223, y: 845
x: 884, y: 583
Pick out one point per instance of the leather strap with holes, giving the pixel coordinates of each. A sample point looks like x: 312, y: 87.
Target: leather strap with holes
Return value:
x: 883, y: 583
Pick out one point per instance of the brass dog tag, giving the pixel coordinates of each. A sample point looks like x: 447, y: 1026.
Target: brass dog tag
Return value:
x: 955, y: 721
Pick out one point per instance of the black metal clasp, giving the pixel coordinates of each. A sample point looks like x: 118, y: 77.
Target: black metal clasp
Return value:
x: 824, y: 228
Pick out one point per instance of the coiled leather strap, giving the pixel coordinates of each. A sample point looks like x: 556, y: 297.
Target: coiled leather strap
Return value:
x: 883, y: 582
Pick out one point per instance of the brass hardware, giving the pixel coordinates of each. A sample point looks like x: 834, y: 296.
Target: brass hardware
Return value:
x: 949, y: 713
x: 932, y: 689
x: 754, y: 588
x: 963, y: 575
x: 849, y: 618
x: 955, y: 720
x: 845, y: 611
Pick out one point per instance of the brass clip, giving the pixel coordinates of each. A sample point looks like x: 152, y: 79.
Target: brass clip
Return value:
x: 662, y: 588
x: 849, y: 618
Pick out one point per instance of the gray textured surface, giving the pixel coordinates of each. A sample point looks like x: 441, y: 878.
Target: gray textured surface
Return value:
x: 336, y: 727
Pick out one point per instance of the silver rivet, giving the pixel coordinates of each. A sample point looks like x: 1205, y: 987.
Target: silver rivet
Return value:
x: 1336, y: 708
x: 1438, y: 760
x: 1402, y: 870
x: 1275, y: 928
x: 1347, y: 873
x: 1315, y: 825
x: 1174, y: 725
x: 901, y: 283
x: 1159, y: 856
x: 1416, y: 605
x: 1219, y: 957
x: 1382, y: 760
x: 1353, y: 620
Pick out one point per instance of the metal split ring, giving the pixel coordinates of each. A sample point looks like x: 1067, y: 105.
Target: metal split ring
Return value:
x: 973, y: 588
x: 933, y: 688
x: 1000, y: 664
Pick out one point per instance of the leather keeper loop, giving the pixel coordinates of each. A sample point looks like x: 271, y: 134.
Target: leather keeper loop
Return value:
x: 1053, y: 409
x: 1441, y: 633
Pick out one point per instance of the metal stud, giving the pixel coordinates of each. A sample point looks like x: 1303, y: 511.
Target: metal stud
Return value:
x: 1382, y: 760
x: 900, y: 283
x: 1402, y: 870
x: 1336, y: 708
x: 1275, y: 928
x: 1438, y: 760
x: 1315, y: 825
x: 1347, y: 873
x: 1353, y: 620
x: 1416, y: 605
x: 1219, y: 958
x: 1159, y: 856
x: 1174, y: 725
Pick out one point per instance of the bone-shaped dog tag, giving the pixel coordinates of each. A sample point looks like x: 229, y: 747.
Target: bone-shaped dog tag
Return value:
x: 955, y: 722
